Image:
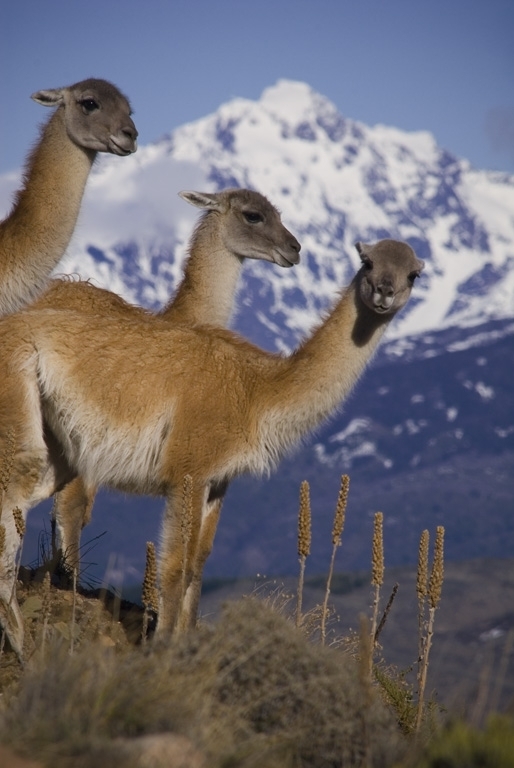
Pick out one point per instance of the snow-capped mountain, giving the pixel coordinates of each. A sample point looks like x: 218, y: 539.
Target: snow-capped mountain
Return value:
x: 336, y: 181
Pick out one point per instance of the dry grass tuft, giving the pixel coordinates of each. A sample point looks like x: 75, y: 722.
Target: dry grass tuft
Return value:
x: 250, y: 691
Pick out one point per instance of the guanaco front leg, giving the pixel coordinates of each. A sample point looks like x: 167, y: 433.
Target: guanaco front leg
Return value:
x: 181, y: 534
x: 191, y: 600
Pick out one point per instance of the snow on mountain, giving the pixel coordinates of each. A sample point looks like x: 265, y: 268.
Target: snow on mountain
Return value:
x: 336, y: 181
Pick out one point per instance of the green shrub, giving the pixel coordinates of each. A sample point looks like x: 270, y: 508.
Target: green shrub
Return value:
x: 461, y: 746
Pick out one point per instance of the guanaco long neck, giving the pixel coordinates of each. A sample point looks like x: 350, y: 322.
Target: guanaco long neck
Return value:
x: 313, y: 382
x: 36, y: 234
x: 211, y: 273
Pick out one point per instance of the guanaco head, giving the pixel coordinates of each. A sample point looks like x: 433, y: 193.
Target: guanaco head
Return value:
x: 248, y: 224
x: 389, y: 269
x: 96, y: 114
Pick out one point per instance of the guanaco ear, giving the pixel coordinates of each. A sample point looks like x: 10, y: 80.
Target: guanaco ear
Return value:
x: 364, y: 251
x: 206, y: 200
x: 49, y: 98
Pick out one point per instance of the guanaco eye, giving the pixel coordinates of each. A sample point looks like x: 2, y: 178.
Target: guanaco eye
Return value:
x: 413, y: 276
x: 89, y: 105
x: 252, y: 217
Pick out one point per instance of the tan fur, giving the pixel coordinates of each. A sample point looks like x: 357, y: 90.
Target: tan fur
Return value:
x: 139, y: 405
x: 237, y: 224
x: 91, y: 116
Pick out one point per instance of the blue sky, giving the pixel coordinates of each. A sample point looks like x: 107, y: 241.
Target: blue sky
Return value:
x: 443, y: 66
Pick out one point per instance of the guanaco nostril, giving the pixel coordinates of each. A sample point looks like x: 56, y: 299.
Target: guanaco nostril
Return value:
x: 130, y: 131
x: 385, y: 290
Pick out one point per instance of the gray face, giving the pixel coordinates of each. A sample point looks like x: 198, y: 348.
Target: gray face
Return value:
x: 257, y: 231
x: 248, y: 224
x: 96, y: 114
x: 389, y: 269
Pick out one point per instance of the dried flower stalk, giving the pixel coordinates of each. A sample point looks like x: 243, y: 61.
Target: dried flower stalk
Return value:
x: 377, y: 557
x: 377, y: 576
x: 304, y: 521
x: 422, y: 574
x: 304, y: 542
x: 73, y: 612
x: 186, y: 525
x: 150, y: 595
x: 387, y: 610
x: 45, y: 610
x: 422, y: 589
x: 19, y: 522
x: 20, y: 529
x: 340, y: 513
x: 7, y: 459
x: 337, y: 531
x: 435, y: 585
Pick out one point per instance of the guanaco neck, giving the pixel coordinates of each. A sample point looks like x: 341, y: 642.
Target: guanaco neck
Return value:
x: 211, y: 273
x: 37, y: 232
x: 314, y: 380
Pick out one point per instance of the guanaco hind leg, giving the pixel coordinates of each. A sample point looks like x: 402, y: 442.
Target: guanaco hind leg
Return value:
x: 71, y: 512
x: 29, y: 476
